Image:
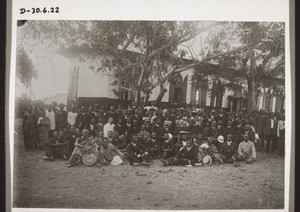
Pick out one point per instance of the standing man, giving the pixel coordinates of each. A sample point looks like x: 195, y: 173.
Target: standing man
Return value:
x: 109, y: 126
x: 29, y: 128
x: 72, y: 115
x: 83, y: 119
x: 61, y: 118
x: 51, y: 115
x: 270, y: 133
x: 259, y: 125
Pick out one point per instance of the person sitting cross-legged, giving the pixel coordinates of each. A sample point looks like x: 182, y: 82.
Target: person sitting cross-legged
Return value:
x: 167, y: 147
x: 135, y: 152
x: 83, y: 145
x: 229, y: 150
x: 107, y: 152
x: 246, y: 150
x: 188, y: 155
x: 155, y: 146
x: 57, y: 147
x: 208, y: 148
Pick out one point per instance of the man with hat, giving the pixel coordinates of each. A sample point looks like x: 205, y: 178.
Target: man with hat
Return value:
x: 229, y: 150
x: 246, y: 150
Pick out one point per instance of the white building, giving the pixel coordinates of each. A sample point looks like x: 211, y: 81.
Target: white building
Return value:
x: 87, y: 87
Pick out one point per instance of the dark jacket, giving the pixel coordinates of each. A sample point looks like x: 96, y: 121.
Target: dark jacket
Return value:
x: 191, y: 154
x: 229, y: 150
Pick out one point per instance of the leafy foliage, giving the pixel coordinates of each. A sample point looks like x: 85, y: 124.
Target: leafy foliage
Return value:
x: 25, y: 69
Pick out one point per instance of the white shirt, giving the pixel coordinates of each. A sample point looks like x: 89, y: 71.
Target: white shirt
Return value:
x: 272, y: 123
x: 108, y: 127
x: 51, y: 116
x: 72, y: 118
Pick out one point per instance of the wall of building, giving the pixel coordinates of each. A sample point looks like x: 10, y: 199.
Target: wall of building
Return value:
x: 90, y: 83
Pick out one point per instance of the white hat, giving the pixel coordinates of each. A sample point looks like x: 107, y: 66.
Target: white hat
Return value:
x: 116, y: 160
x: 207, y: 160
x: 220, y: 139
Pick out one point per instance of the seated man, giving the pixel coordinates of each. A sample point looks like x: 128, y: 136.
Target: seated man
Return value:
x: 135, y: 152
x: 167, y: 147
x: 154, y: 146
x: 83, y: 145
x: 107, y: 152
x: 57, y: 147
x: 246, y: 150
x: 181, y: 143
x: 229, y: 150
x: 210, y: 149
x: 187, y: 155
x: 199, y: 140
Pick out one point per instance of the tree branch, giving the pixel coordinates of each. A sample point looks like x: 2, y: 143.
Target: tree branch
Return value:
x: 129, y: 41
x: 179, y: 70
x: 178, y: 41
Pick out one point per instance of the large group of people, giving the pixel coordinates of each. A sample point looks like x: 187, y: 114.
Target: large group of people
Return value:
x: 175, y: 135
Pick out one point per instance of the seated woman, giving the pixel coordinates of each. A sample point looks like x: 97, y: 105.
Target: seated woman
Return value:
x: 83, y: 145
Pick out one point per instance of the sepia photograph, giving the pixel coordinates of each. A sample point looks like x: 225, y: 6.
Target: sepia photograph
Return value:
x: 148, y: 114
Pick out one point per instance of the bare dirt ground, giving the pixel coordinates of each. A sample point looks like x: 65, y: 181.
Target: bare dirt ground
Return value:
x: 45, y: 184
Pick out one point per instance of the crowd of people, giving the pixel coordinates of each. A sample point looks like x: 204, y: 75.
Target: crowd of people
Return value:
x: 175, y: 135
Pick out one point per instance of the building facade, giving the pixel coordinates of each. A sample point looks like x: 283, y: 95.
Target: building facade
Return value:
x: 88, y: 87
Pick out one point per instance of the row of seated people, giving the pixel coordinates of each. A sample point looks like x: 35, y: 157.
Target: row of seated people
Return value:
x: 142, y: 148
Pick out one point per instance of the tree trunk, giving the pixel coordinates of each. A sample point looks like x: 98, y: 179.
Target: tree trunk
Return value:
x: 138, y: 98
x: 251, y: 101
x: 160, y: 95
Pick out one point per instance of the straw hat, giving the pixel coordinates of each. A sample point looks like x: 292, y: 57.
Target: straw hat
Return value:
x: 207, y: 160
x: 89, y: 159
x: 220, y: 139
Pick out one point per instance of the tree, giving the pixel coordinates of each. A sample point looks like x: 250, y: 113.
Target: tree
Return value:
x: 144, y: 54
x: 25, y: 68
x: 259, y: 62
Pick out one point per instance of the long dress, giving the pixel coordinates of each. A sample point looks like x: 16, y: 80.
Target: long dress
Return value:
x: 29, y: 130
x: 43, y: 130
